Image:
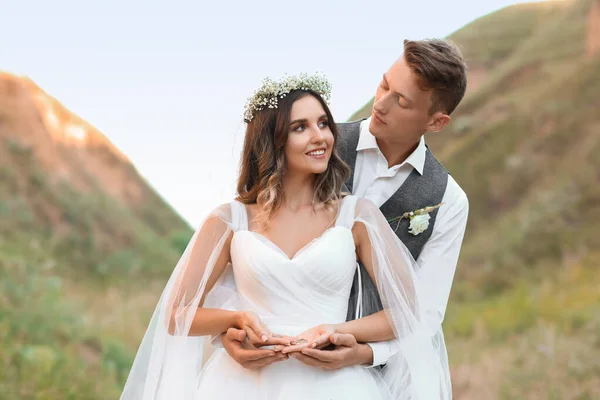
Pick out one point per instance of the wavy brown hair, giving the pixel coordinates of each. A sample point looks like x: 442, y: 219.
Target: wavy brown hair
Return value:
x: 263, y: 163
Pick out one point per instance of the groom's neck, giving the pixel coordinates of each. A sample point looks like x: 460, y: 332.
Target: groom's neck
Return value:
x: 396, y: 152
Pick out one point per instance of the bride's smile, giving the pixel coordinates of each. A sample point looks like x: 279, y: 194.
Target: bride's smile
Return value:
x: 310, y: 140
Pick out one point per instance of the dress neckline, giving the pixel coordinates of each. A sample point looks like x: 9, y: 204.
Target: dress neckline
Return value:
x: 303, y: 248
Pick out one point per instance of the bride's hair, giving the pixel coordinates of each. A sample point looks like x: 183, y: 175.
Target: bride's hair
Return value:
x: 263, y: 163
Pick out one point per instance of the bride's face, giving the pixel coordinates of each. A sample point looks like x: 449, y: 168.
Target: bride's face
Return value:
x: 310, y: 140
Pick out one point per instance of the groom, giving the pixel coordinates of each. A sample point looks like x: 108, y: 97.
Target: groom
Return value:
x: 393, y: 167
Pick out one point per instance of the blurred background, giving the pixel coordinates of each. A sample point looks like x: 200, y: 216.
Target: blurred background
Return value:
x: 121, y: 127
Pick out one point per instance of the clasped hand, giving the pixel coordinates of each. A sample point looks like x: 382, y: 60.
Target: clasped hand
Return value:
x: 245, y: 344
x: 317, y: 337
x: 258, y: 334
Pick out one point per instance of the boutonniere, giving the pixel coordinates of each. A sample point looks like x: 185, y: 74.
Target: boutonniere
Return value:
x: 419, y: 219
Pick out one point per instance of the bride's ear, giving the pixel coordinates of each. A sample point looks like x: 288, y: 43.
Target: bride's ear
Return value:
x: 438, y: 121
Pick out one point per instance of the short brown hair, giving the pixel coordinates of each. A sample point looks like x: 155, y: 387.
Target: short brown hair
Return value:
x: 440, y: 66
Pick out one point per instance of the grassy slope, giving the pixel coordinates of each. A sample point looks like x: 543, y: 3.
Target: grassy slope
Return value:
x: 71, y: 291
x: 524, y: 147
x: 70, y: 298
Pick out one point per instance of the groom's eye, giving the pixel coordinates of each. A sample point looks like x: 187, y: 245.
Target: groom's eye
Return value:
x: 402, y: 102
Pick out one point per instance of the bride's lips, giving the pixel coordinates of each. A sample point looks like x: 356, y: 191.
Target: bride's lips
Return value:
x: 320, y: 153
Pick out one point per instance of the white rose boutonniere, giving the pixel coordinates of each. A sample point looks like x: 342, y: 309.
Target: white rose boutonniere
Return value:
x: 419, y: 224
x: 419, y: 219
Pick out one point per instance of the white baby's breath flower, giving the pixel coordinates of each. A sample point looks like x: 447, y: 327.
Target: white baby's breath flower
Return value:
x: 419, y: 223
x: 270, y: 92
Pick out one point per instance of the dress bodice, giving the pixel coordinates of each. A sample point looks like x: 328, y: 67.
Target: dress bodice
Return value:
x: 310, y: 288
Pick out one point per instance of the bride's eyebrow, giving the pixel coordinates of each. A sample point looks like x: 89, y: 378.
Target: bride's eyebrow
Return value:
x: 301, y: 120
x: 305, y: 120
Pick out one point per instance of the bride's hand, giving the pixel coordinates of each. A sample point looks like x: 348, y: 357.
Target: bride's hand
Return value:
x: 315, y: 338
x: 257, y: 333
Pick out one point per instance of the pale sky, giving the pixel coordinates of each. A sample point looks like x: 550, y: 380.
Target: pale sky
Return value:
x: 167, y: 82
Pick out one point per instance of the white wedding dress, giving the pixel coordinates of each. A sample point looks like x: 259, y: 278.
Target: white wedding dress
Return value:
x: 291, y: 296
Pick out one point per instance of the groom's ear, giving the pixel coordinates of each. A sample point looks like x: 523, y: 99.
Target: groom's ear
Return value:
x: 438, y: 121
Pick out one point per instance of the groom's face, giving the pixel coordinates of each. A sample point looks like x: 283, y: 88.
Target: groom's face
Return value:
x: 401, y: 111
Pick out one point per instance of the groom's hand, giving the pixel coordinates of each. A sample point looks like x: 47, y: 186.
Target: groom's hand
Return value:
x: 245, y: 354
x: 347, y: 352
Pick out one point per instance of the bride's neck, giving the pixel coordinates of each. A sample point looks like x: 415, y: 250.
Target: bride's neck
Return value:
x: 298, y: 191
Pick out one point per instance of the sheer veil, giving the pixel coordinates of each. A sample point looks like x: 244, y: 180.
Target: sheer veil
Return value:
x: 419, y: 370
x: 169, y: 360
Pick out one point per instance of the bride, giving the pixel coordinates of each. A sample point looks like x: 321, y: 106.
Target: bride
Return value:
x: 278, y: 262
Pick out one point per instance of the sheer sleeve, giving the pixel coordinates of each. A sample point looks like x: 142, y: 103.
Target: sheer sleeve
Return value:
x: 419, y: 370
x: 169, y: 358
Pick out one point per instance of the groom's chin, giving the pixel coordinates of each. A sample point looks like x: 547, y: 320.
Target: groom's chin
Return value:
x: 374, y: 128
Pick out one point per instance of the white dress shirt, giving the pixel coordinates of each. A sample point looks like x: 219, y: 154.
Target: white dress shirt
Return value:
x: 437, y: 261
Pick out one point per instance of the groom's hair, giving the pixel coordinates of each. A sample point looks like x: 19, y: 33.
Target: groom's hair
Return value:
x: 439, y: 66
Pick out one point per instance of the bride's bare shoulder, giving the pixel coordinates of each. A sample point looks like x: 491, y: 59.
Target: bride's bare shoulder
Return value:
x: 251, y: 210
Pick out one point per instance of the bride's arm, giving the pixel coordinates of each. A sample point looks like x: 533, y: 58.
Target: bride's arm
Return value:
x: 214, y: 234
x: 375, y: 327
x: 214, y: 321
x: 209, y: 256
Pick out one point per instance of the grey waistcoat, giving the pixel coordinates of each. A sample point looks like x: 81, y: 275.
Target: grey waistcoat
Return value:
x: 416, y: 192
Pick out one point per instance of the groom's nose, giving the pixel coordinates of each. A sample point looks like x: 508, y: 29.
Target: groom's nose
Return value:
x: 381, y: 105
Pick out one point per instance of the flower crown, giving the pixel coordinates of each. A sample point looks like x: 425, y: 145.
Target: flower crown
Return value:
x: 271, y: 91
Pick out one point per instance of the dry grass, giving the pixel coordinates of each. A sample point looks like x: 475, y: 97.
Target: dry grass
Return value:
x: 541, y: 364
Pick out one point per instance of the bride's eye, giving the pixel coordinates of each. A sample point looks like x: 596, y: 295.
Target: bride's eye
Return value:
x: 299, y: 128
x: 323, y: 124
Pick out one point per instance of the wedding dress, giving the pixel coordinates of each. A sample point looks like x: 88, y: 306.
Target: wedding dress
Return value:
x: 290, y: 295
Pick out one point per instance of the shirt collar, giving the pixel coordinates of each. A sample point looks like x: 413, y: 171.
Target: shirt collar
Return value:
x: 367, y: 141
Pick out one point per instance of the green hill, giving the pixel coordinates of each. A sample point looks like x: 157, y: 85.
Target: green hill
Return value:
x: 525, y: 306
x: 82, y: 238
x: 86, y: 244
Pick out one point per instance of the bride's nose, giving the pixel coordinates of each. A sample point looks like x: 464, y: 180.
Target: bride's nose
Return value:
x: 317, y: 134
